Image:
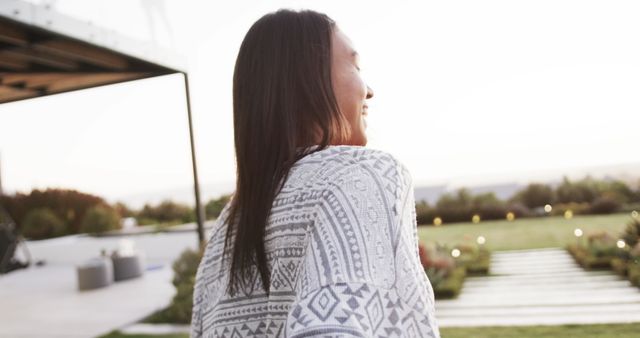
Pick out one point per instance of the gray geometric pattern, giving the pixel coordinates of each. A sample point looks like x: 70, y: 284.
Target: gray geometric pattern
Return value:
x: 342, y: 247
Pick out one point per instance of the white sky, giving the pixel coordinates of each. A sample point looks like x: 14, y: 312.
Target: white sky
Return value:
x: 464, y: 91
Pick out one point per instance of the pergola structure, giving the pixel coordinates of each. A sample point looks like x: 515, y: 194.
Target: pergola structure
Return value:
x: 43, y: 52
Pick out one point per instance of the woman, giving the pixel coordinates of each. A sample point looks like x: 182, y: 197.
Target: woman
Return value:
x: 320, y: 235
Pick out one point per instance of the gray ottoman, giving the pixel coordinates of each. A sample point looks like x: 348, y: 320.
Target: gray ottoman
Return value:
x: 95, y: 273
x: 127, y: 267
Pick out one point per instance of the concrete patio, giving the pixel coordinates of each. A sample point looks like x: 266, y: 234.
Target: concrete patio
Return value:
x: 44, y: 301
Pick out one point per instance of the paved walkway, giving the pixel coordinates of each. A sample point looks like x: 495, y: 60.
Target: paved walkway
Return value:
x: 540, y: 287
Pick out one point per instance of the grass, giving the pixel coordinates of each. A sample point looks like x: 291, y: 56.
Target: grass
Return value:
x: 561, y: 331
x: 525, y: 233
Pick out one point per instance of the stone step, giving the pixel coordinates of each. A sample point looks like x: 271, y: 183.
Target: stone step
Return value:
x: 562, y: 257
x: 543, y: 288
x: 540, y: 250
x: 601, y: 317
x: 514, y: 311
x: 568, y: 277
x: 532, y: 252
x: 535, y: 270
x: 528, y: 262
x: 493, y: 300
x: 509, y: 262
x: 532, y: 257
x: 559, y: 294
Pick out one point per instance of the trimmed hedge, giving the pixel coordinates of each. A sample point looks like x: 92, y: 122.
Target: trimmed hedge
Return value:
x: 450, y: 287
x: 587, y: 260
x: 620, y: 266
x: 180, y: 309
x: 447, y: 274
x: 634, y: 274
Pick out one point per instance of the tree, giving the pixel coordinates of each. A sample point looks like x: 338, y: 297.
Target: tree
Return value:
x: 215, y: 206
x: 581, y: 191
x: 42, y: 223
x: 166, y: 211
x: 100, y: 218
x: 535, y: 195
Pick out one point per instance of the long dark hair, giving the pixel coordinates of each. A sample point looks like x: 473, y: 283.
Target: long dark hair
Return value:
x: 283, y: 101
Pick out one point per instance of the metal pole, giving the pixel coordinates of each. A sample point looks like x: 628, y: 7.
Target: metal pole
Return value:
x: 1, y: 193
x: 200, y: 217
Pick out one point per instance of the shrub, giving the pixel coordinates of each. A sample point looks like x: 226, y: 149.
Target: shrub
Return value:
x: 486, y: 200
x: 587, y: 259
x: 215, y: 206
x: 519, y: 210
x: 100, y: 218
x: 454, y: 214
x: 42, y: 223
x: 584, y: 190
x: 604, y: 205
x: 602, y: 244
x: 452, y: 285
x: 631, y: 234
x: 179, y: 311
x: 489, y: 212
x: 166, y: 211
x: 576, y: 208
x: 123, y: 210
x: 535, y: 195
x: 425, y: 215
x: 618, y: 190
x: 629, y: 207
x: 461, y: 199
x: 634, y: 253
x: 436, y: 263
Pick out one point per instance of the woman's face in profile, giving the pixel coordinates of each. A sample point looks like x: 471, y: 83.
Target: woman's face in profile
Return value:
x: 350, y: 90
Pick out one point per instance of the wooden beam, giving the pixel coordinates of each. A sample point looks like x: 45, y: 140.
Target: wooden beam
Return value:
x: 26, y: 85
x: 12, y: 34
x: 82, y: 52
x: 13, y: 62
x: 8, y: 93
x: 33, y: 80
x: 40, y: 58
x: 81, y: 81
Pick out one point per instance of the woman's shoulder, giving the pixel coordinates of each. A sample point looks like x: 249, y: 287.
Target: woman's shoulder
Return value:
x: 340, y: 163
x: 343, y: 167
x: 348, y: 156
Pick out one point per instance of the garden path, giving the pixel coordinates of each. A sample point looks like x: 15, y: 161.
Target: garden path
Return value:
x: 540, y: 287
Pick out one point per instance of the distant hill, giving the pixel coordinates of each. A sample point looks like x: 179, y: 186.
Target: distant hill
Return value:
x: 628, y: 173
x: 433, y: 193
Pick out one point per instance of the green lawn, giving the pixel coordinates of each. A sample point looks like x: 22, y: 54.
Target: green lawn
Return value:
x: 562, y: 331
x: 525, y: 233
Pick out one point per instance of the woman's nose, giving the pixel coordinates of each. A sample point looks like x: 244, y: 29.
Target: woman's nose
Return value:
x: 369, y: 92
